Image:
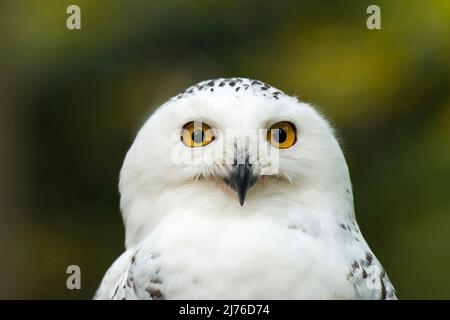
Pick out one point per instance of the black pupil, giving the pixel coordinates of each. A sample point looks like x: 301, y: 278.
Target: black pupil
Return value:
x: 280, y: 135
x: 198, y: 135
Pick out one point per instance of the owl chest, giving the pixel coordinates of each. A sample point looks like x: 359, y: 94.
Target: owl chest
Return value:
x: 238, y: 261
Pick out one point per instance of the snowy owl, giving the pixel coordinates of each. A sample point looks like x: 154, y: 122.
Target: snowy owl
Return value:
x: 234, y: 190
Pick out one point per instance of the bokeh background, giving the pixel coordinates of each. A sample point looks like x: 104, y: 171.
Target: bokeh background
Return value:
x: 72, y: 101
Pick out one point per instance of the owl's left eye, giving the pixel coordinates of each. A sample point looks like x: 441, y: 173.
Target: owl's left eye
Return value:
x: 282, y: 135
x: 196, y: 134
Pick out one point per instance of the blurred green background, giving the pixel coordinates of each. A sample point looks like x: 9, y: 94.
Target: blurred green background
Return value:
x: 71, y: 102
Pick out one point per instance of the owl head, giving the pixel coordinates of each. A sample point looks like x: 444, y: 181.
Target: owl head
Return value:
x: 226, y: 146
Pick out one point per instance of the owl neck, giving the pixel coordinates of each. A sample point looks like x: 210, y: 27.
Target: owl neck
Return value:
x: 142, y: 212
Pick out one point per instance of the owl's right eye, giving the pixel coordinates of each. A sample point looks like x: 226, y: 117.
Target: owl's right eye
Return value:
x: 196, y: 134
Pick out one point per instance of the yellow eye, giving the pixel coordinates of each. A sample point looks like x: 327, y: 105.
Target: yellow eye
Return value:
x: 282, y: 135
x: 196, y: 134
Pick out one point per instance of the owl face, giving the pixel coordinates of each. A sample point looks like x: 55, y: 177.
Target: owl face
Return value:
x: 236, y: 136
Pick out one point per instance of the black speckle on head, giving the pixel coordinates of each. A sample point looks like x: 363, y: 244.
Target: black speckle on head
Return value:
x: 343, y: 226
x: 259, y: 88
x: 347, y: 190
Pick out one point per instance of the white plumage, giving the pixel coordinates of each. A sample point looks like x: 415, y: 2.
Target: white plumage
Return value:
x: 187, y: 235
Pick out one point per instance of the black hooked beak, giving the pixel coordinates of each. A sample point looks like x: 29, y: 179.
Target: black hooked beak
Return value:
x: 242, y: 179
